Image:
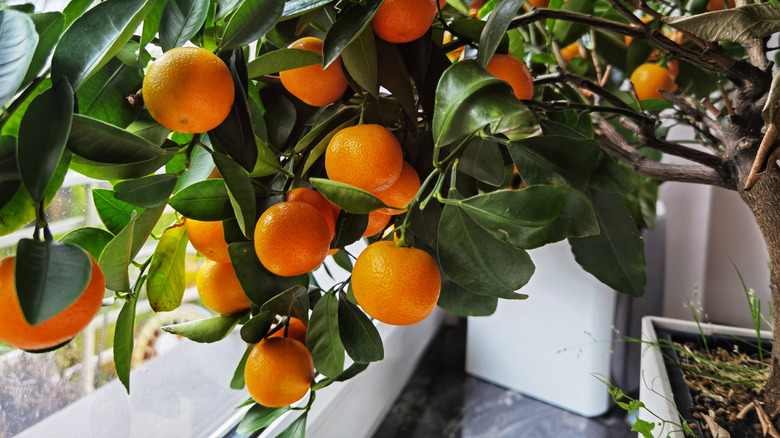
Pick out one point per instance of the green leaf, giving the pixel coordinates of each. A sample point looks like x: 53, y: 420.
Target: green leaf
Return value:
x: 146, y: 192
x: 90, y: 239
x: 40, y: 150
x: 238, y: 382
x: 739, y: 25
x: 166, y: 280
x: 50, y: 276
x: 49, y: 27
x: 482, y: 159
x: 637, y: 53
x: 75, y: 9
x: 346, y: 29
x: 317, y: 130
x: 123, y: 341
x: 322, y: 146
x: 482, y: 265
x: 104, y: 95
x: 281, y: 60
x: 615, y: 256
x: 250, y: 22
x: 258, y: 283
x: 204, y: 201
x: 297, y: 429
x: 343, y: 260
x: 240, y: 191
x: 114, y: 214
x: 294, y: 8
x: 280, y: 118
x: 151, y: 24
x: 495, y: 29
x: 322, y: 337
x: 351, y: 371
x: 358, y: 334
x: 201, y: 166
x: 360, y: 60
x: 469, y: 98
x: 18, y: 41
x: 225, y: 7
x: 459, y: 301
x: 292, y: 302
x: 254, y: 330
x: 567, y: 32
x: 258, y: 417
x: 207, y: 330
x: 534, y: 216
x: 349, y: 229
x: 95, y: 37
x: 560, y: 160
x: 347, y: 197
x: 180, y: 21
x: 393, y: 75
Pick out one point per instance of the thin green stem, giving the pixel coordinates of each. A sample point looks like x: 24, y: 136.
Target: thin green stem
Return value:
x: 412, y: 203
x: 454, y: 153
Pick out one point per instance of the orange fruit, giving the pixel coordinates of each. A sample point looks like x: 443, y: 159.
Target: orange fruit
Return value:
x: 401, y: 21
x: 539, y: 3
x: 646, y: 19
x: 208, y: 238
x: 278, y: 372
x: 188, y: 89
x: 317, y: 201
x: 377, y: 221
x: 219, y: 288
x: 365, y: 156
x: 312, y: 84
x: 16, y: 331
x: 570, y: 51
x: 396, y: 285
x: 717, y: 5
x: 514, y: 71
x: 649, y: 78
x: 291, y: 238
x: 402, y: 192
x: 674, y: 67
x: 296, y: 330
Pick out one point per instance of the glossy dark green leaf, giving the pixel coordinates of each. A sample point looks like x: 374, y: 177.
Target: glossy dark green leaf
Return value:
x: 469, y: 98
x: 358, y: 334
x: 90, y: 239
x: 257, y: 328
x: 250, y: 22
x: 95, y: 37
x: 166, y: 279
x: 181, y: 19
x: 472, y: 30
x: 225, y: 8
x: 147, y: 128
x: 50, y: 276
x: 238, y: 382
x: 114, y: 214
x: 40, y: 150
x: 322, y: 337
x: 296, y: 429
x: 294, y: 8
x: 318, y: 150
x: 351, y: 371
x: 240, y: 191
x: 349, y: 229
x: 424, y: 224
x: 343, y: 260
x: 637, y: 53
x: 567, y: 32
x: 151, y: 24
x: 393, y: 75
x: 281, y: 60
x: 482, y: 159
x: 318, y: 128
x: 258, y: 417
x: 349, y: 198
x: 347, y: 28
x: 459, y: 301
x: 207, y: 330
x: 146, y: 192
x: 557, y: 160
x: 292, y: 302
x: 8, y: 190
x: 49, y: 26
x: 104, y: 95
x: 534, y: 216
x: 280, y: 119
x: 201, y: 166
x: 9, y: 170
x: 258, y: 283
x: 615, y: 256
x: 359, y: 58
x: 17, y: 47
x: 204, y: 201
x: 75, y: 9
x: 495, y: 29
x: 471, y: 258
x: 123, y: 341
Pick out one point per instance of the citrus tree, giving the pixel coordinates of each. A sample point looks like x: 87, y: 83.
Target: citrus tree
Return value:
x: 454, y: 137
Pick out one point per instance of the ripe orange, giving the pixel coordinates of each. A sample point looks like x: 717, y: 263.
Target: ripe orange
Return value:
x: 317, y: 201
x: 188, y: 89
x: 208, y: 238
x: 16, y: 331
x: 539, y: 3
x: 377, y: 221
x: 291, y: 238
x: 312, y: 84
x: 646, y: 19
x: 514, y: 71
x: 401, y: 21
x: 396, y: 285
x: 717, y: 5
x: 649, y: 78
x: 365, y: 156
x: 219, y: 288
x: 296, y: 330
x: 402, y: 192
x: 278, y: 372
x: 570, y: 51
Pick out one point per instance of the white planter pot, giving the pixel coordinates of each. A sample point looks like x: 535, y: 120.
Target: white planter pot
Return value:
x: 654, y: 390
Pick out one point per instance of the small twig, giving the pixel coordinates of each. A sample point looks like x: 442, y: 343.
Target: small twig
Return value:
x: 710, y: 107
x: 594, y: 56
x: 761, y: 163
x: 635, y: 95
x: 605, y: 78
x: 766, y: 423
x: 726, y: 100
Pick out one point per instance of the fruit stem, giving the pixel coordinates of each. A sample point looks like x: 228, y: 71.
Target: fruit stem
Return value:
x: 454, y: 153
